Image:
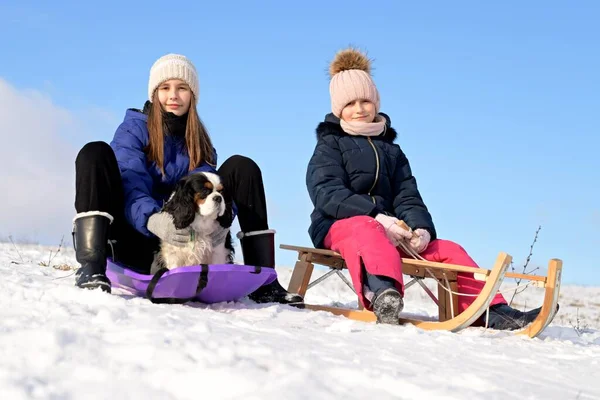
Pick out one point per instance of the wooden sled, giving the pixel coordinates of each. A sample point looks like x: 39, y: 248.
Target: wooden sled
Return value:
x: 445, y: 275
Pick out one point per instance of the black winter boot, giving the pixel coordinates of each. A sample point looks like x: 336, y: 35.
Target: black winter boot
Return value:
x: 258, y: 249
x: 504, y: 317
x: 90, y: 238
x: 387, y: 306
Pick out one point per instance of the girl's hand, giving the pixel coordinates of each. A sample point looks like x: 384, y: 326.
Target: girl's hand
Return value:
x: 394, y: 232
x: 161, y: 224
x: 420, y: 242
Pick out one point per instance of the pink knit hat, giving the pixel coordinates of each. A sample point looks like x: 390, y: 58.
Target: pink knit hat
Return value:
x: 351, y: 80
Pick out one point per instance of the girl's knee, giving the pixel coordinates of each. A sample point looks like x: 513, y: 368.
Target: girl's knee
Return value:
x: 242, y: 164
x: 363, y: 225
x: 360, y: 229
x: 93, y: 151
x: 371, y: 233
x: 365, y: 221
x: 448, y: 244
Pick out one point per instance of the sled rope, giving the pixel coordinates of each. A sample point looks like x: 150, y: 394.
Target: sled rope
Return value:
x: 408, y: 250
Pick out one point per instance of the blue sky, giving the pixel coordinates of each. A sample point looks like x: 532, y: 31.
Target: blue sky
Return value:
x: 496, y: 105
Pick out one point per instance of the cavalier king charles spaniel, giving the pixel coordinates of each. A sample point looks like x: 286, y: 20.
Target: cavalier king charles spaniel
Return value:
x: 197, y: 201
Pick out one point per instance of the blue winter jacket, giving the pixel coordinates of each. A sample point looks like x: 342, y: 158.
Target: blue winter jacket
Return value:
x: 349, y: 176
x: 145, y: 188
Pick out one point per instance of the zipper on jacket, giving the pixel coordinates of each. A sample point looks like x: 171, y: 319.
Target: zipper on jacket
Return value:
x: 376, y: 170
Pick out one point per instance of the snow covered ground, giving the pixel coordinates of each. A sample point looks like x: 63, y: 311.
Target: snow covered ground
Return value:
x: 59, y: 342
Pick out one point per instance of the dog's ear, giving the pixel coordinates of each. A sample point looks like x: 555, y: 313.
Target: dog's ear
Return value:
x: 181, y: 205
x: 226, y: 219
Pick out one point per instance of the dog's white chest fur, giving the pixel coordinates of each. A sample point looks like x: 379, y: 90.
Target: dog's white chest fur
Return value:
x: 199, y: 250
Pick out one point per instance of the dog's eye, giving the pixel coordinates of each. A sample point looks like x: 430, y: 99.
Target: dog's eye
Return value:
x: 203, y: 193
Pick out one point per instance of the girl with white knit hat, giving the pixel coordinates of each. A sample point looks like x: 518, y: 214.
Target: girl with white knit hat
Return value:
x: 361, y: 185
x: 121, y: 187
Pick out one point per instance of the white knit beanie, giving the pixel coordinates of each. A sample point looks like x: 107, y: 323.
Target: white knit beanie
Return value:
x: 173, y: 66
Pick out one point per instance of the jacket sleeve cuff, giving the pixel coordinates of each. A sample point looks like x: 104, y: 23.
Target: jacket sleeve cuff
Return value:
x: 374, y: 212
x: 142, y: 225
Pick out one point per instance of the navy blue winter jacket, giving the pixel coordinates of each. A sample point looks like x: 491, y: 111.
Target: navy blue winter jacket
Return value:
x: 144, y: 186
x: 349, y: 176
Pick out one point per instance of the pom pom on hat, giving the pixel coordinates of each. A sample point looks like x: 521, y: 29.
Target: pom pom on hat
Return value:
x: 348, y: 59
x: 173, y: 66
x: 351, y: 80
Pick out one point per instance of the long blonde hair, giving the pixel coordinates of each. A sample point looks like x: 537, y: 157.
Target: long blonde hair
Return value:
x: 198, y: 143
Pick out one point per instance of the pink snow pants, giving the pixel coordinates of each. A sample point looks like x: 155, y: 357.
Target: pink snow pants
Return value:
x: 363, y: 238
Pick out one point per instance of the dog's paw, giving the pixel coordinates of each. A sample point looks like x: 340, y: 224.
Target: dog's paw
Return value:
x: 230, y: 258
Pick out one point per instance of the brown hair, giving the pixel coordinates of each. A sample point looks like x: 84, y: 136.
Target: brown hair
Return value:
x: 198, y: 143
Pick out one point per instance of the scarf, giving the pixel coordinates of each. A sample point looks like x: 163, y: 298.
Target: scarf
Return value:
x: 374, y: 128
x: 174, y: 125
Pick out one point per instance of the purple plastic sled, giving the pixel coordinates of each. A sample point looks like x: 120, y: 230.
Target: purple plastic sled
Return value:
x: 202, y: 283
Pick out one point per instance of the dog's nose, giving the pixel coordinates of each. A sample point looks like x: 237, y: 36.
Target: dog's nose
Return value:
x: 218, y: 199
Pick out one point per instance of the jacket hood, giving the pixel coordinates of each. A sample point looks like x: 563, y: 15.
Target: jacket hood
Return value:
x: 331, y: 126
x: 136, y: 113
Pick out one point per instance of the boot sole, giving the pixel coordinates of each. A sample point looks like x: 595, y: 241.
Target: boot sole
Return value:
x: 388, y: 306
x: 95, y: 285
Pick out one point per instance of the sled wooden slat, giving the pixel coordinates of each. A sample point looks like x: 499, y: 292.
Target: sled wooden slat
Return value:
x: 410, y: 263
x: 301, y: 274
x: 359, y: 315
x: 550, y: 300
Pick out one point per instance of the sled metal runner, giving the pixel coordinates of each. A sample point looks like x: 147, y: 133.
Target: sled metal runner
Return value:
x: 446, y: 277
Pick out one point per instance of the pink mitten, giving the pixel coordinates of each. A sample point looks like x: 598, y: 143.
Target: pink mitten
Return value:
x: 421, y: 241
x: 386, y: 220
x: 399, y: 234
x: 394, y: 232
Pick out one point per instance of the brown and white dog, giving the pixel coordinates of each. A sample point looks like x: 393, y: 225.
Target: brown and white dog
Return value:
x: 198, y: 202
